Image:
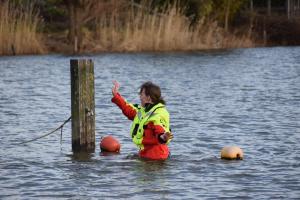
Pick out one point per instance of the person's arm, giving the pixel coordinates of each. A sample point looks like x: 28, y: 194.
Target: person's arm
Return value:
x: 160, y: 135
x: 128, y: 109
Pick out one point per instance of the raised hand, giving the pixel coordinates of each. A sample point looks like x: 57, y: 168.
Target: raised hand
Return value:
x: 115, y: 88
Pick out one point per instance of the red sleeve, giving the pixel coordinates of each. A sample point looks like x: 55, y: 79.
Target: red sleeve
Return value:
x: 152, y: 132
x: 126, y: 108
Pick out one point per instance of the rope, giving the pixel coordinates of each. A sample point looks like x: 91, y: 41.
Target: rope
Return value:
x: 60, y: 127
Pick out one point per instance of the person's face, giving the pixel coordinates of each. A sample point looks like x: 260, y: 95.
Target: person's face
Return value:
x: 144, y: 98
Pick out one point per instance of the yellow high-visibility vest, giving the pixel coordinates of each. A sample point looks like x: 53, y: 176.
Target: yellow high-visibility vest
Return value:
x: 158, y: 114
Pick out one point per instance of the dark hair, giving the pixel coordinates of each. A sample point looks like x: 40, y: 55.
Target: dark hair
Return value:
x: 153, y: 91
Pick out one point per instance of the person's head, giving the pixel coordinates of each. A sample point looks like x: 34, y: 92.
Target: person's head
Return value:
x: 150, y: 93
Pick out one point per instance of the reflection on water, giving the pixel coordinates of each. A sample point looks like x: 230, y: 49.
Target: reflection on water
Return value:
x: 81, y: 156
x: 244, y: 97
x: 104, y: 153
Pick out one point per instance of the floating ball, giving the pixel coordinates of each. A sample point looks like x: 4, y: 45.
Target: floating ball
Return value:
x: 109, y: 144
x: 232, y: 152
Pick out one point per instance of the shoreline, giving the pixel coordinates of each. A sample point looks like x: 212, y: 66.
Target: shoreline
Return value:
x: 82, y: 54
x: 117, y: 29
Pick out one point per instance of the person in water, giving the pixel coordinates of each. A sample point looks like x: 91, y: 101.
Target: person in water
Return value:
x: 150, y: 130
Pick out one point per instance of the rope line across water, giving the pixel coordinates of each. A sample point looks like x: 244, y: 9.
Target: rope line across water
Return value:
x: 60, y: 127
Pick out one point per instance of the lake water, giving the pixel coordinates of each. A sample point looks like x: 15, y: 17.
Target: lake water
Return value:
x: 244, y: 97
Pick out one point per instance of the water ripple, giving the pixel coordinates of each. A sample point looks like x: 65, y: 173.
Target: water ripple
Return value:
x: 244, y: 97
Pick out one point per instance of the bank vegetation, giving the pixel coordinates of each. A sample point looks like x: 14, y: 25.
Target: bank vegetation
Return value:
x: 91, y: 26
x: 19, y: 29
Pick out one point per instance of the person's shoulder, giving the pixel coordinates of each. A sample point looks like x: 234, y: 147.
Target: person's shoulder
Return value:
x: 136, y: 107
x: 162, y: 110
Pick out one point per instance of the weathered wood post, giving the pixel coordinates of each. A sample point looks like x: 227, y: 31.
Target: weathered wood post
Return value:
x: 82, y: 105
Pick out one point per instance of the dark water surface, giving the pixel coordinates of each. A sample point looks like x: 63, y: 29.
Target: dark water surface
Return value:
x: 244, y: 97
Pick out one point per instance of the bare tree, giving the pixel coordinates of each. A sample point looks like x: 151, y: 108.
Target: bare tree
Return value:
x: 80, y: 13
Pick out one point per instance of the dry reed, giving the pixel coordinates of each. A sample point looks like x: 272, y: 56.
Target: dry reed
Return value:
x: 18, y: 30
x: 138, y: 29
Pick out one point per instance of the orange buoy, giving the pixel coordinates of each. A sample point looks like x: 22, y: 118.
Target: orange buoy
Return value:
x: 232, y: 152
x: 109, y: 144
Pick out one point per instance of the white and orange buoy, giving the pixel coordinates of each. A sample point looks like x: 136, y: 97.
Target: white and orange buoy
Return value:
x: 110, y: 144
x: 232, y: 152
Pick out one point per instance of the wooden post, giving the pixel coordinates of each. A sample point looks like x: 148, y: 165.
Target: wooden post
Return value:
x: 82, y: 105
x: 265, y: 32
x: 75, y: 50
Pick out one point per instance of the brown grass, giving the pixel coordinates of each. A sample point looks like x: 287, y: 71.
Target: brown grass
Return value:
x: 119, y: 27
x: 137, y: 29
x: 18, y: 30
